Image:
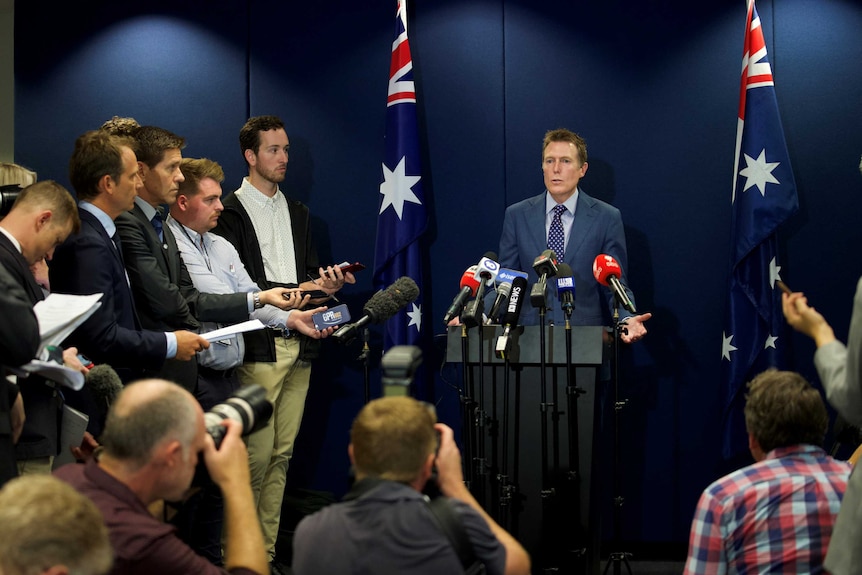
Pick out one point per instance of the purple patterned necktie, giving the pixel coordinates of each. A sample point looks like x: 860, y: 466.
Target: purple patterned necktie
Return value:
x: 556, y: 236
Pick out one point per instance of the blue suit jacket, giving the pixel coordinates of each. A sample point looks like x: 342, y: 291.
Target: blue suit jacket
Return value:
x: 87, y: 263
x: 597, y: 229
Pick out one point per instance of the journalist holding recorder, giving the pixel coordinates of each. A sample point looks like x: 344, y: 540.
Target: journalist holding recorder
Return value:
x: 385, y: 524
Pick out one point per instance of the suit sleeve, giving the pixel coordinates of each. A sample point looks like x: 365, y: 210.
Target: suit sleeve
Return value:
x: 162, y: 301
x: 82, y: 266
x: 158, y: 300
x: 19, y: 330
x: 838, y: 367
x: 508, y: 253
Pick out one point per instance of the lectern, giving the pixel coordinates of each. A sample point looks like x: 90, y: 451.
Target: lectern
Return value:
x: 536, y: 510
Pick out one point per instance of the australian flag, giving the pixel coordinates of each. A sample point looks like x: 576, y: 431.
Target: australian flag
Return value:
x: 402, y: 218
x: 764, y: 196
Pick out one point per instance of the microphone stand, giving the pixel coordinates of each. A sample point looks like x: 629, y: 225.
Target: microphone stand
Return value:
x: 363, y: 357
x: 573, y: 392
x: 472, y: 316
x: 466, y: 409
x: 618, y: 557
x: 547, y: 492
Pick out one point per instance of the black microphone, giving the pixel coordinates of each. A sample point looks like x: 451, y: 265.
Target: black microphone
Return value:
x: 504, y: 290
x: 545, y: 267
x: 486, y: 271
x: 566, y: 288
x: 510, y: 318
x: 505, y: 277
x: 382, y: 306
x: 104, y: 385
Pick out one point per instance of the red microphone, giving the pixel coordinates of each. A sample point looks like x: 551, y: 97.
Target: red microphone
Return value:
x: 469, y: 285
x: 607, y: 272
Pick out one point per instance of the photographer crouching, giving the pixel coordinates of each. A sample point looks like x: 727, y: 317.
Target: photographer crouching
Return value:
x: 385, y: 524
x: 153, y: 434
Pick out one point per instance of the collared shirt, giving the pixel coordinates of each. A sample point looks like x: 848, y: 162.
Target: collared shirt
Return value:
x: 567, y: 218
x: 774, y: 516
x: 111, y: 229
x: 215, y: 267
x: 271, y: 220
x: 142, y: 544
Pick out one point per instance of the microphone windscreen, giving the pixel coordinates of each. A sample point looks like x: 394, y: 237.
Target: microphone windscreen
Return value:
x: 565, y: 279
x: 516, y: 301
x: 604, y: 267
x: 470, y: 280
x: 104, y: 383
x: 384, y: 304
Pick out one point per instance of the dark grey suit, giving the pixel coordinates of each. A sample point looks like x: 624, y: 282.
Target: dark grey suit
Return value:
x: 165, y: 297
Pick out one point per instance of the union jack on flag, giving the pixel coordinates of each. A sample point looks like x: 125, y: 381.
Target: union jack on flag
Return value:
x: 763, y: 197
x: 402, y: 218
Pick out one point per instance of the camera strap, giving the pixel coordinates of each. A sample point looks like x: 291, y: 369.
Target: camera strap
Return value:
x: 451, y: 526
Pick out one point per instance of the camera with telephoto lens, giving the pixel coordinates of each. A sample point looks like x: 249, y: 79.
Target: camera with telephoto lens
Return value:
x: 248, y: 407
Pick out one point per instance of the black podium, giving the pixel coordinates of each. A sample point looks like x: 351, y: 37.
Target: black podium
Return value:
x: 504, y: 398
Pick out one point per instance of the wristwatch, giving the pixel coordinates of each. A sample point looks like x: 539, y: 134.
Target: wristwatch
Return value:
x: 256, y: 298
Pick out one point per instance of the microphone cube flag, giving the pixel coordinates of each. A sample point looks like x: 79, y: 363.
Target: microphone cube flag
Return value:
x: 605, y: 266
x: 507, y: 275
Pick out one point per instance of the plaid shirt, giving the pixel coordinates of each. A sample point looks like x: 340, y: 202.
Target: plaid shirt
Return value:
x: 774, y: 516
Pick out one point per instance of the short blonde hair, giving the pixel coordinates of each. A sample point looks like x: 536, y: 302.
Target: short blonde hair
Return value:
x: 44, y: 522
x: 16, y: 174
x: 392, y: 438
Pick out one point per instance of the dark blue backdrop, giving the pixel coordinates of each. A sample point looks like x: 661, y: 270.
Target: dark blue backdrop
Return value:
x: 652, y: 86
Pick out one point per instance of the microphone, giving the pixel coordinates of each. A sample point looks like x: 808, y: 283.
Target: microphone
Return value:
x: 469, y: 284
x: 104, y: 385
x: 503, y: 292
x: 510, y: 318
x: 504, y: 288
x: 486, y: 270
x: 546, y: 267
x: 566, y: 288
x: 383, y: 305
x: 607, y: 272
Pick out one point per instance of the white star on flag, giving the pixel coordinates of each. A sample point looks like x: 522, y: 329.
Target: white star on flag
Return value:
x: 396, y: 188
x: 774, y: 268
x: 415, y: 316
x: 726, y: 347
x: 758, y: 172
x: 770, y: 342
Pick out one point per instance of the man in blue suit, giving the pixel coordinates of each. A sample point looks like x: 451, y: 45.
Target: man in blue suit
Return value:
x: 104, y: 172
x: 585, y: 228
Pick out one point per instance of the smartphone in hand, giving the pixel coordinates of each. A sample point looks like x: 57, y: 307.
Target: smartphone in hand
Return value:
x: 331, y: 317
x: 348, y: 267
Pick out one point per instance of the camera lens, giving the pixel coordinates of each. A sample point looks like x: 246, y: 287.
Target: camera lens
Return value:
x: 248, y: 407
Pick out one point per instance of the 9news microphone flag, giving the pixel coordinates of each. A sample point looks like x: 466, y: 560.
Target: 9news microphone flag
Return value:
x: 402, y: 218
x: 764, y: 196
